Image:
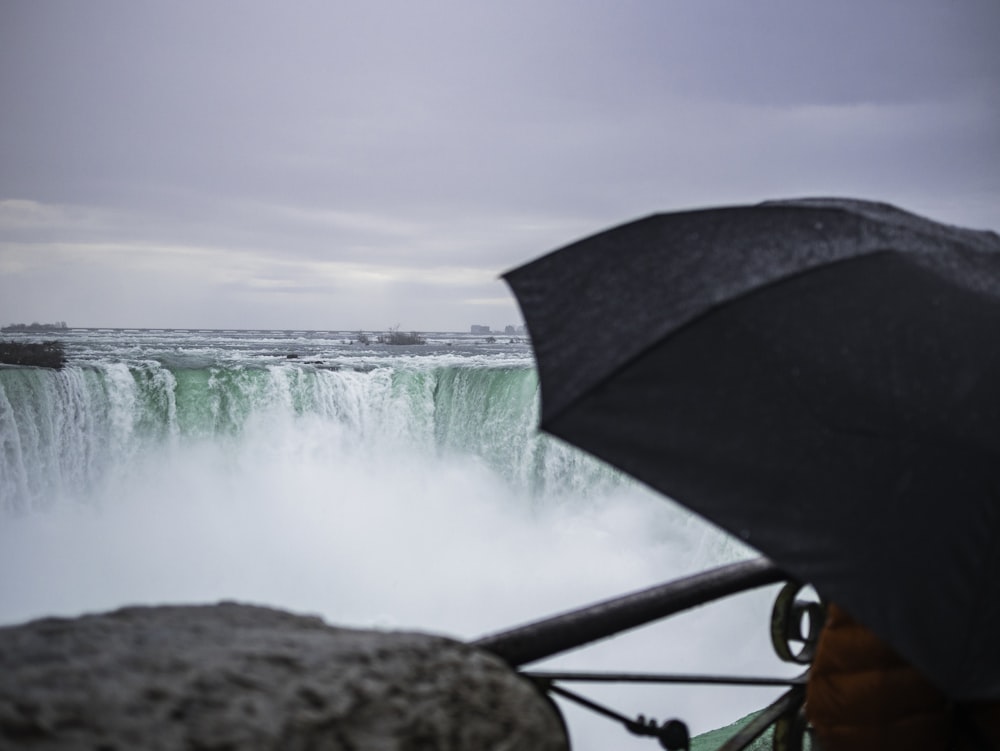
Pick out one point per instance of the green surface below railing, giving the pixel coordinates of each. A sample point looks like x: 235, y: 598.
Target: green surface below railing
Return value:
x: 711, y: 740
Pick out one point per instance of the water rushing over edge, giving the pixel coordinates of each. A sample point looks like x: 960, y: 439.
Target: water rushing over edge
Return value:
x: 395, y: 487
x: 65, y: 435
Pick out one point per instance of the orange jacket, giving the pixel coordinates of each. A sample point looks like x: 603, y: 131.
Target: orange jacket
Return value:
x: 862, y: 695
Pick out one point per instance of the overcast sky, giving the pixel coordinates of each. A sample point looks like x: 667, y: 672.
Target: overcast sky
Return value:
x: 364, y: 164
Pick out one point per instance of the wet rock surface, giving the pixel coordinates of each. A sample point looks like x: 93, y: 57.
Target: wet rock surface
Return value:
x: 233, y: 676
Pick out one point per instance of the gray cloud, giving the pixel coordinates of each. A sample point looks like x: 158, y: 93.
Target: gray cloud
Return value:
x: 452, y: 135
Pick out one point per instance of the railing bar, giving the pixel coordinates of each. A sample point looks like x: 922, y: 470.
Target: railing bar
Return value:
x: 735, y: 680
x: 590, y: 705
x: 560, y: 633
x: 749, y: 732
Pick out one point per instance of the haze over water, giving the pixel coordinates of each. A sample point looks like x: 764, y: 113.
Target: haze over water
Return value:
x: 376, y: 486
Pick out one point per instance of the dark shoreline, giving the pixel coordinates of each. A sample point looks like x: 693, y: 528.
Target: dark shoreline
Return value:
x: 39, y: 354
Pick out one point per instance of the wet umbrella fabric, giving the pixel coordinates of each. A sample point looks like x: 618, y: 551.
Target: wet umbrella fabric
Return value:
x: 821, y: 378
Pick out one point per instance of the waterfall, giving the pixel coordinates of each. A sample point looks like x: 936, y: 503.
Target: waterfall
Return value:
x: 373, y: 488
x: 65, y: 434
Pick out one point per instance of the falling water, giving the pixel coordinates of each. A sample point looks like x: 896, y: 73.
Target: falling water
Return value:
x: 376, y: 486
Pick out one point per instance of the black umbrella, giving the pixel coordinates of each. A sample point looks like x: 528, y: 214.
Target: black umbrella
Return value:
x: 819, y: 377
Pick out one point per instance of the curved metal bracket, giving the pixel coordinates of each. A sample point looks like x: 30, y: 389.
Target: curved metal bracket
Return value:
x: 794, y: 620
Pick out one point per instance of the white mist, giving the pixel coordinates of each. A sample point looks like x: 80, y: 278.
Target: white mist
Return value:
x: 368, y: 499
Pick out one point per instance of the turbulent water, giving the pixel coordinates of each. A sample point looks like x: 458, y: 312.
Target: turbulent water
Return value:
x: 390, y: 486
x: 131, y: 396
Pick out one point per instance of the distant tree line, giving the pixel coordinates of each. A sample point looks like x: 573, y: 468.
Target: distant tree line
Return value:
x: 395, y: 336
x: 39, y: 354
x: 392, y: 336
x: 57, y: 326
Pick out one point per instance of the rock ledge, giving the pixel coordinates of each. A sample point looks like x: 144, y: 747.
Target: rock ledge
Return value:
x: 232, y: 676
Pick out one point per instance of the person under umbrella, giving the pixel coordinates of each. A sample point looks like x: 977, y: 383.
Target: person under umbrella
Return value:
x: 821, y: 378
x: 862, y: 696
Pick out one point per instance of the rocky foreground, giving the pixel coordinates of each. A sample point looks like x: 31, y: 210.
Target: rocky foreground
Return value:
x: 233, y: 676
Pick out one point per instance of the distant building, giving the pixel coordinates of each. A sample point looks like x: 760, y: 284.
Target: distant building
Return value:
x: 477, y: 329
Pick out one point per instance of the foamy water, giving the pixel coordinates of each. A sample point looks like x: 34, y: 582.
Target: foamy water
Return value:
x: 377, y: 487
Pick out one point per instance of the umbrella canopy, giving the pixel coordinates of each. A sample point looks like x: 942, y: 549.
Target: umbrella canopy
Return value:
x: 819, y: 377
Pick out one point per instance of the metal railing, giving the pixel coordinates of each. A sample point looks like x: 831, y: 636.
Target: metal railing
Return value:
x: 795, y: 626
